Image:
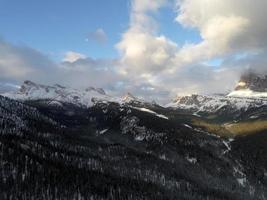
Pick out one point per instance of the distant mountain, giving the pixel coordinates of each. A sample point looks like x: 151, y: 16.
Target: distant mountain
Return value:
x: 249, y: 93
x: 57, y: 94
x: 215, y: 103
x: 251, y: 85
x: 253, y: 81
x: 129, y: 97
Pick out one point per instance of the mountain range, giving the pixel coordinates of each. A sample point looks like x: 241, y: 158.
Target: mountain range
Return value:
x: 63, y: 143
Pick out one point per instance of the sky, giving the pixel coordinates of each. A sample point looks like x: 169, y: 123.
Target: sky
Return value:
x: 154, y: 49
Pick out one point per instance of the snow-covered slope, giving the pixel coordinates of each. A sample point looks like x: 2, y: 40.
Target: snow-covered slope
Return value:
x: 248, y: 93
x: 57, y: 93
x: 214, y: 103
x: 129, y: 98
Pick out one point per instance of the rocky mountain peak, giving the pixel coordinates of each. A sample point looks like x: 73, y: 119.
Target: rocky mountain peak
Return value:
x: 60, y: 86
x: 57, y: 93
x: 27, y: 85
x: 190, y: 99
x: 28, y: 82
x: 252, y: 81
x: 99, y: 90
x: 129, y: 97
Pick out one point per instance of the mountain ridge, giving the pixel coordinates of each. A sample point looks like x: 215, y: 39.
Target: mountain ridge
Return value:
x: 251, y: 88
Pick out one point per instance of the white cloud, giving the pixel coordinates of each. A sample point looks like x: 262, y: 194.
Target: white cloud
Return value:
x: 226, y: 26
x: 142, y: 49
x: 72, y: 56
x: 142, y: 52
x: 99, y: 35
x: 218, y: 37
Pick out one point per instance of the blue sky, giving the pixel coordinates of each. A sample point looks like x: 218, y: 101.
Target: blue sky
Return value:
x: 57, y: 26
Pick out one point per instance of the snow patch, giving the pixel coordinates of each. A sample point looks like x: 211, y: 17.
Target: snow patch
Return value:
x: 103, y: 131
x: 247, y: 93
x: 150, y: 111
x: 241, y: 177
x: 242, y: 181
x: 227, y: 145
x: 191, y: 160
x: 186, y: 125
x: 139, y: 138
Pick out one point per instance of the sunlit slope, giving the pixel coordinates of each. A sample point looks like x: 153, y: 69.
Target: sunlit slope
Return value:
x: 232, y: 129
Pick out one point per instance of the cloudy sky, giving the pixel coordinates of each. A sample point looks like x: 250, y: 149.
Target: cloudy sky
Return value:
x: 153, y: 49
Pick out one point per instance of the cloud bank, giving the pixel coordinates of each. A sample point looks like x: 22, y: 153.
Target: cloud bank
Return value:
x: 225, y: 26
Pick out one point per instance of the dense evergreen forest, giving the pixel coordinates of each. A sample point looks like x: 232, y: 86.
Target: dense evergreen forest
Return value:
x: 112, y: 151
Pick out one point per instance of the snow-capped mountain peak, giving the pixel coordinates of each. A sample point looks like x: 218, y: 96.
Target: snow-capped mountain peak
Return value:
x: 58, y: 93
x: 252, y: 81
x: 129, y: 98
x: 28, y: 86
x: 214, y: 103
x: 251, y: 85
x: 99, y: 90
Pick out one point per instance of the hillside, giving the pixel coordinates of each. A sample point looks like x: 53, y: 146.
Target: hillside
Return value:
x: 122, y: 151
